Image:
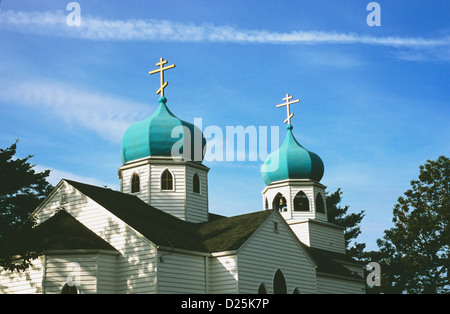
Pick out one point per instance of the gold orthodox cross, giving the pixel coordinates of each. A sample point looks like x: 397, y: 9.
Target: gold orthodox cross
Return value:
x: 288, y: 104
x: 161, y: 72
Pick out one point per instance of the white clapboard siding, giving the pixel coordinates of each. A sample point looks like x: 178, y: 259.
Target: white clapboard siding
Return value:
x: 319, y: 235
x: 301, y: 230
x: 331, y: 285
x: 271, y: 192
x: 137, y: 259
x: 326, y: 237
x: 27, y: 282
x: 107, y: 273
x: 223, y: 277
x: 57, y: 273
x: 172, y: 202
x: 196, y: 203
x: 266, y: 251
x: 144, y: 174
x: 181, y: 273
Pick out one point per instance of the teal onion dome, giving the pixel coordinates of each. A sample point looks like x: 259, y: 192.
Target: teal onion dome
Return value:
x: 292, y: 161
x: 160, y: 135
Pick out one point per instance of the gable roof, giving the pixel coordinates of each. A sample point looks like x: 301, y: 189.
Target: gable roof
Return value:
x: 331, y: 263
x: 217, y: 235
x: 63, y: 232
x: 229, y: 233
x: 156, y: 225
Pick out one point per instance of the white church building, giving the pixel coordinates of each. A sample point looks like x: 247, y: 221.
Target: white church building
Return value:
x: 157, y: 235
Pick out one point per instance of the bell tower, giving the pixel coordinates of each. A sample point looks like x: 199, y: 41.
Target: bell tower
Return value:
x: 292, y: 176
x: 162, y: 161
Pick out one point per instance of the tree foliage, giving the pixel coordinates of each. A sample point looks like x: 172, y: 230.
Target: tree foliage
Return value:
x: 414, y: 254
x: 22, y: 189
x: 339, y: 215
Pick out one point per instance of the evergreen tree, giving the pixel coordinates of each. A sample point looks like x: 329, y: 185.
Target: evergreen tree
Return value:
x: 338, y: 215
x: 22, y: 189
x: 414, y: 254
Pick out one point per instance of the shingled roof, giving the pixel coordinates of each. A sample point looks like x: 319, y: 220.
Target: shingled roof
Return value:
x: 218, y: 235
x: 331, y: 263
x: 63, y: 232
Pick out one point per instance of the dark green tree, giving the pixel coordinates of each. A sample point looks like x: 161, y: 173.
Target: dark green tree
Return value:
x: 414, y: 254
x: 339, y: 215
x: 22, y: 189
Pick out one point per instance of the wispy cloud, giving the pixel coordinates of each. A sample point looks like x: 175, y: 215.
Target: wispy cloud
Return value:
x: 53, y: 23
x: 101, y: 113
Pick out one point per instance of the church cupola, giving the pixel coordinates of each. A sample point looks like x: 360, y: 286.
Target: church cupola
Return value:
x: 160, y: 134
x: 292, y: 161
x: 292, y: 175
x: 162, y: 161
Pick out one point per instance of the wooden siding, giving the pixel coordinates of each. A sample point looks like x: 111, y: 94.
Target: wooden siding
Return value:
x: 196, y: 203
x: 223, y: 277
x: 181, y: 273
x: 172, y: 202
x: 107, y: 274
x: 56, y: 273
x: 136, y: 262
x: 289, y: 190
x: 301, y: 230
x: 125, y: 182
x: 326, y: 237
x: 181, y: 202
x: 266, y: 251
x: 27, y: 282
x: 319, y: 235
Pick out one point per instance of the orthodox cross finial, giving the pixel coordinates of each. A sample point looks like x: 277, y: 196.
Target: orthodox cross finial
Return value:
x: 287, y: 104
x: 161, y: 72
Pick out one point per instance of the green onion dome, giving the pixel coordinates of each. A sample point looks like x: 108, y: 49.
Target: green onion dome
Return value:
x: 292, y: 161
x: 158, y: 135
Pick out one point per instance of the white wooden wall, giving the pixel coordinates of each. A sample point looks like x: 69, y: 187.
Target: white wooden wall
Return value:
x: 182, y: 273
x: 289, y: 190
x: 125, y: 183
x: 223, y: 277
x: 327, y: 238
x: 196, y: 203
x: 319, y: 235
x: 57, y: 271
x: 265, y: 252
x: 136, y: 262
x: 181, y: 202
x: 27, y: 282
x: 172, y: 202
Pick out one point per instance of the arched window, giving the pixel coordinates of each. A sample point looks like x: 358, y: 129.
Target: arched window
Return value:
x: 296, y: 291
x: 66, y: 289
x: 279, y: 202
x: 262, y: 289
x: 135, y: 183
x: 279, y: 283
x: 320, y: 206
x: 166, y: 180
x: 196, y: 184
x: 266, y: 204
x: 301, y: 202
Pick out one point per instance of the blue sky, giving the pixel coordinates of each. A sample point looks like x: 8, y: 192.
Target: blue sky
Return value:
x: 374, y: 100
